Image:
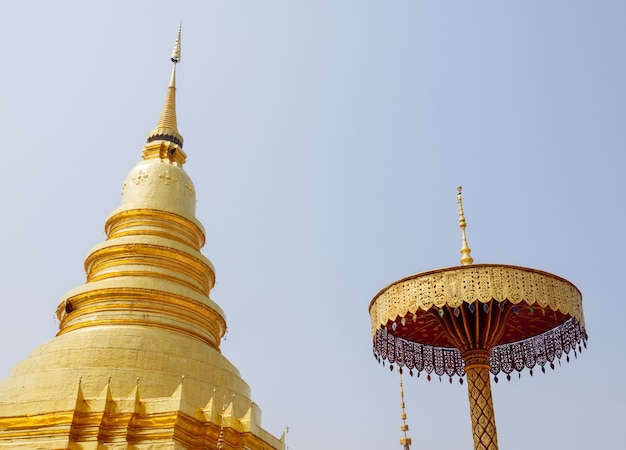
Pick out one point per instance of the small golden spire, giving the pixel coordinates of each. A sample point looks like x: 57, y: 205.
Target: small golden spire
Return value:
x: 466, y: 258
x: 404, y: 440
x: 167, y: 128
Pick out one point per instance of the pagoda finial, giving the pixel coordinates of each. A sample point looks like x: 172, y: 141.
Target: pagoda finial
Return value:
x: 176, y: 52
x: 466, y: 257
x: 167, y: 128
x: 175, y: 58
x: 404, y: 440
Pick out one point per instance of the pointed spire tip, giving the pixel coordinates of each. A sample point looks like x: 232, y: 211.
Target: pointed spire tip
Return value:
x: 176, y: 51
x: 466, y: 257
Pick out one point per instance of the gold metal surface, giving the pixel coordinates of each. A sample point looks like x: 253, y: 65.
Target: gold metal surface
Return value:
x: 142, y: 306
x: 139, y: 221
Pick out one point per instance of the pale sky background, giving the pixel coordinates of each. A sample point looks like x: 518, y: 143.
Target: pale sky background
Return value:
x: 326, y: 140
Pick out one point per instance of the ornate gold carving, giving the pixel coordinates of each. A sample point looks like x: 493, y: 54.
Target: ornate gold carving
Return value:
x: 139, y: 177
x: 168, y: 178
x: 189, y: 189
x: 467, y: 284
x: 481, y: 407
x: 113, y: 428
x: 539, y: 350
x: 164, y: 151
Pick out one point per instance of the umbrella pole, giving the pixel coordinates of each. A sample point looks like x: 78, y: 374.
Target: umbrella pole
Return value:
x: 481, y: 405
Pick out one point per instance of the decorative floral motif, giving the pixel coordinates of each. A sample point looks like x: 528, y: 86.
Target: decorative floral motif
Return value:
x: 537, y: 350
x: 139, y: 177
x: 168, y: 178
x: 466, y: 284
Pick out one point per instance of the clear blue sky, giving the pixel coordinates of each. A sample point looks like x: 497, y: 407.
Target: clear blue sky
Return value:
x: 326, y: 139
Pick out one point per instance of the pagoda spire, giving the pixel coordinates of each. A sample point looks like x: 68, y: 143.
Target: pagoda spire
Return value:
x: 166, y: 130
x: 466, y: 257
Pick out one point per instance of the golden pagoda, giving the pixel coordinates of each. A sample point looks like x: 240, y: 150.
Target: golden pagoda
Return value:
x: 136, y: 362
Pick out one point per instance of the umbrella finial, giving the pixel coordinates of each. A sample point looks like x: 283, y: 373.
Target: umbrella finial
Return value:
x: 466, y: 257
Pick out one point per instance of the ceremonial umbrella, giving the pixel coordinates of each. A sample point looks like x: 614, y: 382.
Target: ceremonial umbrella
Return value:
x: 473, y: 319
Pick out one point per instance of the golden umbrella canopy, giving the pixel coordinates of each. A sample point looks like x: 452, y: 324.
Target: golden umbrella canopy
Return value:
x: 527, y: 317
